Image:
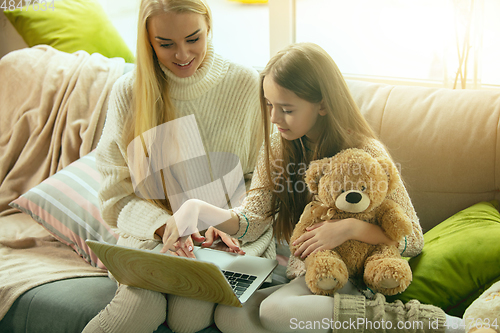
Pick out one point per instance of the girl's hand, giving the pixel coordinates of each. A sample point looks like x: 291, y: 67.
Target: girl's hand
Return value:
x: 193, y: 210
x: 326, y: 235
x: 227, y: 243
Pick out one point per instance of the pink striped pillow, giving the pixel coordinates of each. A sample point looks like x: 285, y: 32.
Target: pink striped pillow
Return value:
x: 66, y: 205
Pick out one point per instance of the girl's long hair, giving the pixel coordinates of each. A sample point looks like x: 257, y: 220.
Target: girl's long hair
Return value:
x: 308, y: 71
x: 151, y: 104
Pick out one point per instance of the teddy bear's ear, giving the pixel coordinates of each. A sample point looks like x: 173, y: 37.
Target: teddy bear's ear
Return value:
x: 315, y: 172
x: 392, y: 173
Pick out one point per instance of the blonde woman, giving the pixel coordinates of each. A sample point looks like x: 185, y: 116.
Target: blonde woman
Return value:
x: 178, y: 74
x: 305, y: 96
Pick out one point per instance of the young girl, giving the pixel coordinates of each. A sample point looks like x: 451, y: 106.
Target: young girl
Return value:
x: 177, y: 75
x: 305, y: 96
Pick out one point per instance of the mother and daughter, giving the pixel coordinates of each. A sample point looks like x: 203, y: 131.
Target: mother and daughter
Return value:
x: 301, y: 93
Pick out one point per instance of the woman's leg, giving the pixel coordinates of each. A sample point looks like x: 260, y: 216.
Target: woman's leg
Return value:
x: 132, y: 310
x: 187, y: 315
x: 230, y: 319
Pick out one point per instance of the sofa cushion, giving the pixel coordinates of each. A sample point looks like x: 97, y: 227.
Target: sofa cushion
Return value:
x: 70, y: 26
x: 446, y: 142
x: 66, y: 204
x: 63, y: 306
x: 459, y: 260
x: 60, y: 306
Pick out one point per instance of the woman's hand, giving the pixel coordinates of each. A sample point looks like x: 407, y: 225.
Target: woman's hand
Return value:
x: 227, y: 243
x: 184, y: 246
x: 188, y: 213
x: 170, y: 237
x: 326, y: 235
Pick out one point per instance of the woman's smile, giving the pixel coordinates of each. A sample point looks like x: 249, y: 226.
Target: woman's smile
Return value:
x: 186, y: 65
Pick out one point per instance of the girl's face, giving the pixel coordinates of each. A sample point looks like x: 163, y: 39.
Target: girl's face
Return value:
x: 179, y: 40
x: 294, y: 116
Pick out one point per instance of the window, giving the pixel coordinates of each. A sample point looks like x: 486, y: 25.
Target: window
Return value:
x: 401, y: 40
x: 491, y: 44
x: 241, y: 31
x: 394, y: 41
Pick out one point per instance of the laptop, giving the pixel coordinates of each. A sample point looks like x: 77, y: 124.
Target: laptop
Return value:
x: 214, y: 276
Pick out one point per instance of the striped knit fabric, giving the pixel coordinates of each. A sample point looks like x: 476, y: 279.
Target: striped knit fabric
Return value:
x: 66, y: 205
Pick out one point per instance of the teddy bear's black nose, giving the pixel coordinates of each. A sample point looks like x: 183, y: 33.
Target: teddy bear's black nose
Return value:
x: 353, y: 197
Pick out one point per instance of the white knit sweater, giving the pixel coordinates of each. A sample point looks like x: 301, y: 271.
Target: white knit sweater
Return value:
x: 223, y: 97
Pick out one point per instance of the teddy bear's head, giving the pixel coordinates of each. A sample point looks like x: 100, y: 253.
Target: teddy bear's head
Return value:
x: 352, y: 180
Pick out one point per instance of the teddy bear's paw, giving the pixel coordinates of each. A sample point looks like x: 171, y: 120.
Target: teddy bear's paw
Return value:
x: 388, y: 276
x: 327, y: 283
x: 326, y: 273
x: 389, y: 283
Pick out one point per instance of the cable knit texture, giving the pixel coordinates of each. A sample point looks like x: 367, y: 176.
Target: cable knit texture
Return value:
x: 377, y: 315
x: 223, y: 97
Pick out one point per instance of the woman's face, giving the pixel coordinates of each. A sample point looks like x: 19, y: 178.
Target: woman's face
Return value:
x: 179, y: 40
x: 294, y: 116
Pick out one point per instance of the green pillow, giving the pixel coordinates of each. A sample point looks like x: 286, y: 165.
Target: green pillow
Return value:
x: 69, y: 26
x: 460, y: 260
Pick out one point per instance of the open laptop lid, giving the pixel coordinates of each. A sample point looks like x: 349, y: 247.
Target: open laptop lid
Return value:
x: 166, y: 273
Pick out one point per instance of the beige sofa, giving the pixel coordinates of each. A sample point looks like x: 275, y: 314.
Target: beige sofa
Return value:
x: 10, y: 40
x: 446, y: 142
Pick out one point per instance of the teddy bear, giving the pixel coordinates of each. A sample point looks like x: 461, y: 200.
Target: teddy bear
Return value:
x: 483, y: 315
x: 353, y: 184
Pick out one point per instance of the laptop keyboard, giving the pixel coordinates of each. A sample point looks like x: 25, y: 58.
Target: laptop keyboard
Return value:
x: 238, y: 281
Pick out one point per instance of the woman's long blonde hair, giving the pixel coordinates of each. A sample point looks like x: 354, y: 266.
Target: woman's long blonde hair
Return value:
x: 152, y: 105
x: 308, y: 71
